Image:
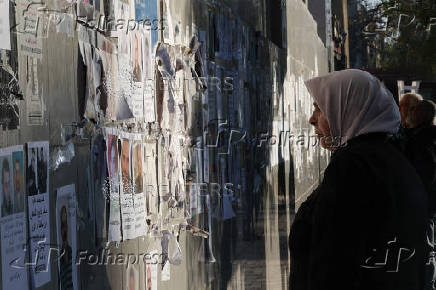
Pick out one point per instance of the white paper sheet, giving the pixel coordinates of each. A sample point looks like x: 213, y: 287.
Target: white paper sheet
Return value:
x: 114, y: 231
x: 5, y: 37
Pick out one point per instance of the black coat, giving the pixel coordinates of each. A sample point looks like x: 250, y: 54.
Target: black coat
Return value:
x: 420, y: 149
x: 370, y: 205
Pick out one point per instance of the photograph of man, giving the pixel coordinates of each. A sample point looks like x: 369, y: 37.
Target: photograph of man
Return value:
x: 32, y: 186
x: 136, y: 59
x: 42, y: 170
x: 6, y: 188
x: 125, y: 165
x: 18, y: 176
x: 137, y: 166
x: 66, y: 270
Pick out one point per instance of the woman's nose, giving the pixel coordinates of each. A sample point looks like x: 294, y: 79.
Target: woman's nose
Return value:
x: 312, y: 120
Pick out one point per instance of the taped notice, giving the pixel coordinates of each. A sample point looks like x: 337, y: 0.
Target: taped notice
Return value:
x: 34, y: 102
x: 30, y: 27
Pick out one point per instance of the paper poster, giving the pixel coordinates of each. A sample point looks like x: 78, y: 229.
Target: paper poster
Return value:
x: 138, y: 186
x: 30, y: 27
x: 114, y: 231
x: 136, y: 54
x: 152, y: 198
x: 132, y: 278
x: 90, y: 98
x: 147, y: 61
x: 39, y: 210
x: 34, y: 100
x: 13, y: 245
x: 149, y: 111
x: 13, y: 221
x: 117, y: 107
x: 124, y: 77
x: 66, y: 218
x: 150, y: 272
x: 5, y: 37
x: 126, y: 196
x: 168, y: 35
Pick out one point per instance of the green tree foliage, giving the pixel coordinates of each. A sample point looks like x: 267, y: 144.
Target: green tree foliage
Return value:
x: 408, y: 31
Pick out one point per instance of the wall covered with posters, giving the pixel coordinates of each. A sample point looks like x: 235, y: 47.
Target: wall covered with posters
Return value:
x: 143, y: 147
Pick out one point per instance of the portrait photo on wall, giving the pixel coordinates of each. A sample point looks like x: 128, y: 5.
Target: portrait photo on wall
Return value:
x: 137, y: 166
x: 114, y: 230
x: 125, y: 165
x: 136, y: 53
x: 66, y: 237
x: 18, y: 180
x: 32, y: 172
x: 7, y: 190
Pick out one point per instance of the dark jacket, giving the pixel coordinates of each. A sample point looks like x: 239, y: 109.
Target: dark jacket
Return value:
x: 370, y: 205
x: 420, y: 149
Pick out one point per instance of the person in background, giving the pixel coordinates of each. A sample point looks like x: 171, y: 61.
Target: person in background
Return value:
x: 420, y: 149
x: 408, y: 103
x: 364, y: 227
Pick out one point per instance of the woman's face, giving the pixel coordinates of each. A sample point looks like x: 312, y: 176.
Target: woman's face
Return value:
x: 322, y: 127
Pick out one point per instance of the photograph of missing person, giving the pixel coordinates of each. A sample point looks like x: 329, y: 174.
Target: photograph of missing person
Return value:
x: 18, y: 178
x: 131, y: 278
x: 114, y: 230
x: 125, y: 165
x: 66, y: 237
x: 137, y: 166
x: 42, y: 169
x: 136, y: 54
x: 32, y: 186
x: 6, y: 185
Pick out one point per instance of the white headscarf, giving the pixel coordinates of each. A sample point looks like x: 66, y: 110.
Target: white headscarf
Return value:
x: 355, y: 103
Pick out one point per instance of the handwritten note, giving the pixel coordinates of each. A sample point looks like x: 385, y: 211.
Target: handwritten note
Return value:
x: 13, y: 245
x: 39, y: 228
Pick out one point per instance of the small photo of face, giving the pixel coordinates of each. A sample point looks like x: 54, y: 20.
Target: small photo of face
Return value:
x: 137, y: 71
x: 125, y: 164
x: 137, y: 166
x: 18, y: 177
x: 6, y: 187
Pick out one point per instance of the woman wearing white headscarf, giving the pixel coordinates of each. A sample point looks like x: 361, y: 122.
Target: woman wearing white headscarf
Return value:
x: 364, y: 226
